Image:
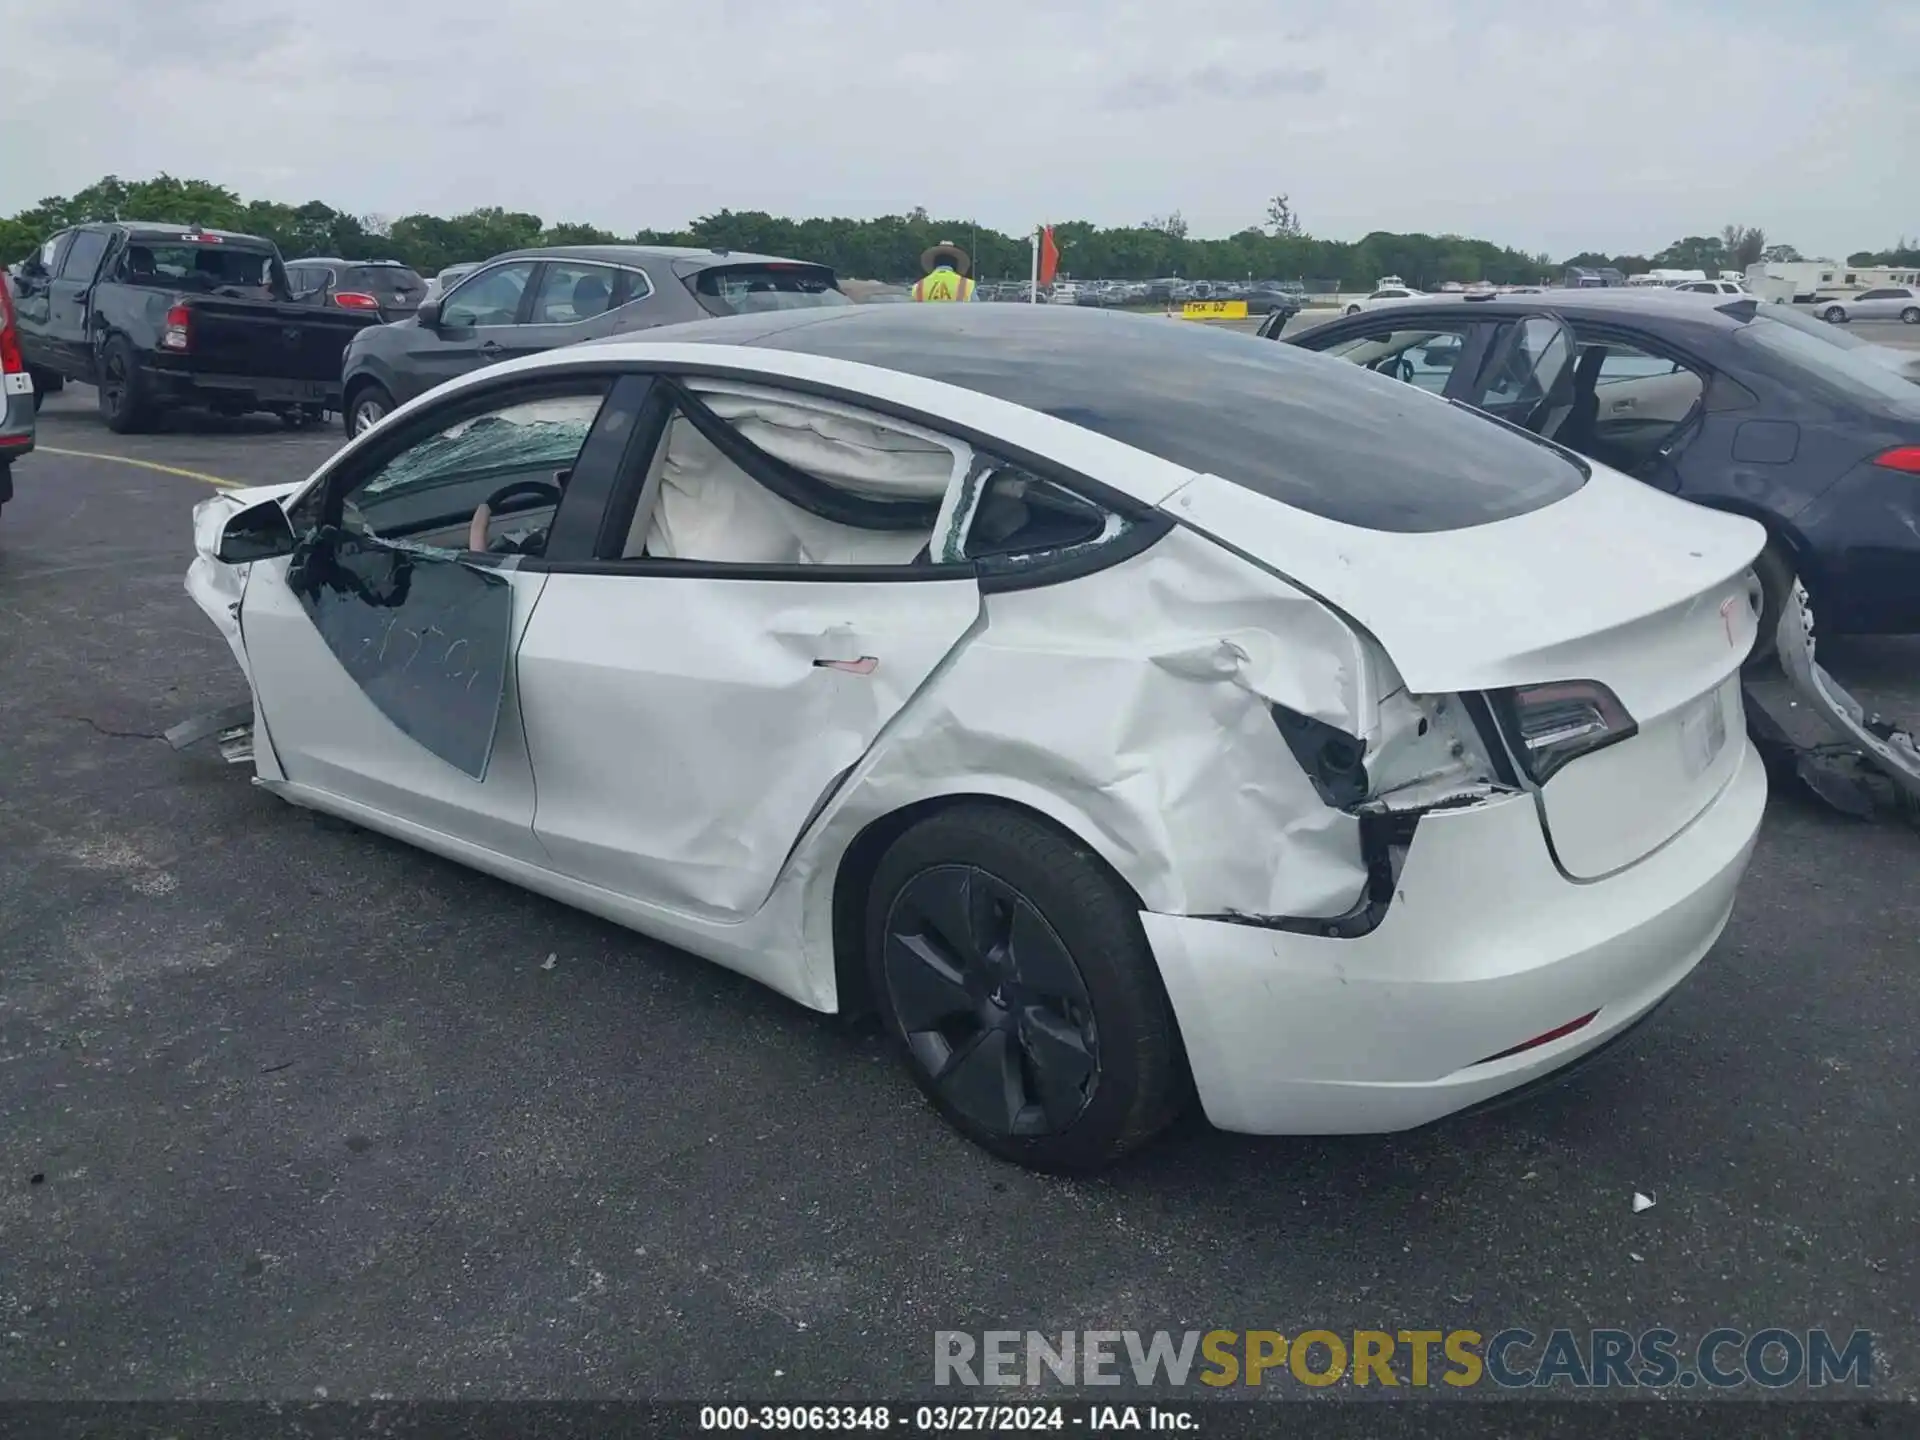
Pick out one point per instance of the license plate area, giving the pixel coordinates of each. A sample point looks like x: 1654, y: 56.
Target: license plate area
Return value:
x: 1703, y: 732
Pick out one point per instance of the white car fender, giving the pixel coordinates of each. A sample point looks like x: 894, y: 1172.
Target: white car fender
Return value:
x: 218, y: 589
x: 1150, y: 736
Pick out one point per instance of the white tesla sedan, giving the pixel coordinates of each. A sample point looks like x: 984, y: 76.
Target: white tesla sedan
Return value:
x: 1122, y: 709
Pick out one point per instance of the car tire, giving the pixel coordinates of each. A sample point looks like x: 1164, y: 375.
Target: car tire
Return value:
x: 1910, y: 315
x: 124, y: 403
x: 366, y: 406
x: 1775, y: 569
x: 1353, y: 309
x: 1030, y: 1012
x: 1834, y: 315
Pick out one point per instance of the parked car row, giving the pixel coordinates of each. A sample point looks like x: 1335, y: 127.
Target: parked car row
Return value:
x: 1262, y: 297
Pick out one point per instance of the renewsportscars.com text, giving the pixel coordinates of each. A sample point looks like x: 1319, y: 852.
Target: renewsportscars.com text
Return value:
x: 1513, y: 1358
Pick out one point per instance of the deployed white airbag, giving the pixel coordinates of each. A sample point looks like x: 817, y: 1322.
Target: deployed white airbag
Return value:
x: 707, y: 508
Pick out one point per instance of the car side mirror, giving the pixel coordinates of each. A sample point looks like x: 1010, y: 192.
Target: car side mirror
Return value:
x: 428, y: 314
x: 259, y: 532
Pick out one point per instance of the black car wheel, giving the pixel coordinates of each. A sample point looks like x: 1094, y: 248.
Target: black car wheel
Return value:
x: 1011, y: 971
x: 1834, y: 315
x: 366, y: 407
x: 1911, y: 315
x: 124, y: 404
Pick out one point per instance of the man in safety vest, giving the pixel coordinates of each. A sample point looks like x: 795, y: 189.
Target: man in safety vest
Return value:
x: 946, y: 277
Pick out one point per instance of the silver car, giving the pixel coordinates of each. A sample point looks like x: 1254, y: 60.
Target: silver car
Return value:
x: 1887, y: 302
x: 441, y: 283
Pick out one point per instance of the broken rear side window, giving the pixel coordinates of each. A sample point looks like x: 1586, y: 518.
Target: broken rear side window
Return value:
x: 753, y: 289
x: 198, y: 267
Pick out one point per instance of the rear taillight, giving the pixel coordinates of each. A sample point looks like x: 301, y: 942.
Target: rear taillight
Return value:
x: 12, y: 362
x: 176, y: 333
x: 355, y: 300
x: 1904, y: 457
x: 1548, y: 725
x: 1559, y: 1032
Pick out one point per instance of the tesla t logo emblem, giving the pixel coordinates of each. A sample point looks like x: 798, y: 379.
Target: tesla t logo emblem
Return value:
x: 1727, y: 607
x: 865, y: 665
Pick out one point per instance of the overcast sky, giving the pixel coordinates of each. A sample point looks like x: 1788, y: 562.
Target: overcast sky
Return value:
x: 1554, y: 126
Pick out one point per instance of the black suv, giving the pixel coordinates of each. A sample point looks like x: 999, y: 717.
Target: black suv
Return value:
x: 385, y: 286
x: 527, y: 301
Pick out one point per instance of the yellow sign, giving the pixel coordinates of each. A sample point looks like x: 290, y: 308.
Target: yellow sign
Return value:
x: 1214, y: 310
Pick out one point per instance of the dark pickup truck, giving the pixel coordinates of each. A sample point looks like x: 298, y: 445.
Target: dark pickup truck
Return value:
x: 160, y: 316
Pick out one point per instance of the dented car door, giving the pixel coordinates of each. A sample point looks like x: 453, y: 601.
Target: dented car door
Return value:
x: 381, y: 649
x: 692, y: 704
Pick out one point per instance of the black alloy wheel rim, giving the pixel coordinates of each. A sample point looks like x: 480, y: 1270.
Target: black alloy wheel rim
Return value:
x: 993, y: 1009
x: 113, y: 387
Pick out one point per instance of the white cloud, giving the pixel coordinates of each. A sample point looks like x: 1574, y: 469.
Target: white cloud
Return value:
x: 1616, y: 126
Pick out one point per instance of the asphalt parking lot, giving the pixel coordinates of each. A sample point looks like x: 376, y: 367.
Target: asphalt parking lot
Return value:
x: 288, y: 1107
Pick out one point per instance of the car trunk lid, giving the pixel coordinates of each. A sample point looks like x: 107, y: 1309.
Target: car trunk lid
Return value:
x: 1616, y: 583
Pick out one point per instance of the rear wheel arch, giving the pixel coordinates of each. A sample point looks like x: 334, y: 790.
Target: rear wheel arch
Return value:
x: 1787, y: 557
x: 1780, y: 535
x: 860, y: 862
x: 357, y: 388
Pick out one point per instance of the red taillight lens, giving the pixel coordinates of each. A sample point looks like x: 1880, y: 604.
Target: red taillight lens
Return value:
x: 1558, y: 1032
x: 355, y: 300
x: 1548, y: 725
x: 1904, y: 457
x: 178, y: 328
x: 12, y: 362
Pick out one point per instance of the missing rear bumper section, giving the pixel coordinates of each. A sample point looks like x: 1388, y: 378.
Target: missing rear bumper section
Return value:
x: 1870, y: 767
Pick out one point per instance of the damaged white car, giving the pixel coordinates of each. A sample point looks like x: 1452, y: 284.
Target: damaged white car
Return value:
x: 1122, y: 709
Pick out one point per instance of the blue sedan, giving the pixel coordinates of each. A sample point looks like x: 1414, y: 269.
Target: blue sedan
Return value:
x: 1745, y: 407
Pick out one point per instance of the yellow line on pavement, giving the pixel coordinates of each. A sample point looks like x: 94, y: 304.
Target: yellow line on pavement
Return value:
x: 199, y: 475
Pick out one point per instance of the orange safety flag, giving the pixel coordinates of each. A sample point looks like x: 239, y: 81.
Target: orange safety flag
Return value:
x: 1049, y: 256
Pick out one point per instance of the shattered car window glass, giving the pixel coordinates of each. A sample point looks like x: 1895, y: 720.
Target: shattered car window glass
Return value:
x: 541, y: 432
x: 752, y: 289
x: 199, y: 267
x: 429, y: 492
x: 1024, y: 518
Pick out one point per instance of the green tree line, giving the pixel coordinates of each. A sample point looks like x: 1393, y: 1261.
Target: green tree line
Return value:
x: 884, y: 248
